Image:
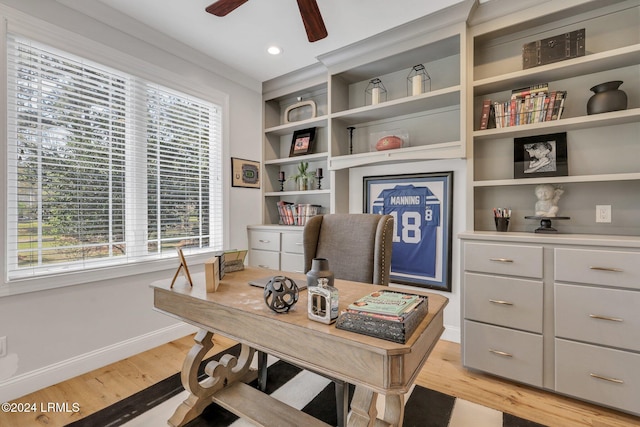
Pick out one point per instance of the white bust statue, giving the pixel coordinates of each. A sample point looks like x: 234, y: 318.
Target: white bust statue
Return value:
x: 548, y: 196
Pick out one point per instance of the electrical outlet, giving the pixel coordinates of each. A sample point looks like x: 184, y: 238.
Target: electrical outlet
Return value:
x: 3, y: 346
x: 603, y: 213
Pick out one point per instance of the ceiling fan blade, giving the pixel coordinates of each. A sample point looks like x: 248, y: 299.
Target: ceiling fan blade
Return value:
x: 312, y: 20
x: 223, y: 7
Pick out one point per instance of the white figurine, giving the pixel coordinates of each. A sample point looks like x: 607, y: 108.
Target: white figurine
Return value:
x: 548, y: 196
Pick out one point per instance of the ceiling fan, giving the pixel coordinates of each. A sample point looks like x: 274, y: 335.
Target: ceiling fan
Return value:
x: 313, y: 23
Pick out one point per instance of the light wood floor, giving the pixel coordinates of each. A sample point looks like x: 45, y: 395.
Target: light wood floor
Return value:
x: 443, y: 372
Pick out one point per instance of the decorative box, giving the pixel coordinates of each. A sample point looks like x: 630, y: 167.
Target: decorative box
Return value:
x: 554, y: 49
x: 379, y: 327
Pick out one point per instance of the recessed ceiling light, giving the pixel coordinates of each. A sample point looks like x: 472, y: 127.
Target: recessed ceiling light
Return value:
x: 274, y: 50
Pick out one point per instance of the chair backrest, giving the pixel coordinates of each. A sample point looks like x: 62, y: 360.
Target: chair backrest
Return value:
x: 358, y: 246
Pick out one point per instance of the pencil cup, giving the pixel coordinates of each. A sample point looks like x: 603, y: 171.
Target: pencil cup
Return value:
x: 502, y: 224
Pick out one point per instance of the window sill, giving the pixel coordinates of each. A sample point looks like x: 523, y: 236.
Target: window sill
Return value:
x: 81, y: 277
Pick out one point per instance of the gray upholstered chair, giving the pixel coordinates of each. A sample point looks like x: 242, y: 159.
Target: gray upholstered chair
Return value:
x: 358, y: 246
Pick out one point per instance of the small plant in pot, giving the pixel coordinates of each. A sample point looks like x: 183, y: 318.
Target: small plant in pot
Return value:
x: 303, y: 177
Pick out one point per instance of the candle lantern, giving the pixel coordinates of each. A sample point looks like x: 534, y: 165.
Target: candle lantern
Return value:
x: 418, y: 81
x: 375, y: 92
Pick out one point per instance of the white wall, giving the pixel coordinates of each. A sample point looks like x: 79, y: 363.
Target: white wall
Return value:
x: 452, y: 311
x: 56, y: 334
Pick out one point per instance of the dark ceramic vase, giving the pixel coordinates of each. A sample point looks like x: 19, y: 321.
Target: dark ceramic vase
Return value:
x: 319, y: 269
x: 607, y: 97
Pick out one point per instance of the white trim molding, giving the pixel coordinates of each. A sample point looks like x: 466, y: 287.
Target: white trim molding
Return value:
x: 29, y: 382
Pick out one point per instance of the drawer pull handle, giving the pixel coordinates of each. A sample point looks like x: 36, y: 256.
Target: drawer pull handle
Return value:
x: 500, y: 353
x: 615, y: 270
x: 263, y: 266
x: 600, y: 377
x: 501, y: 259
x: 611, y: 319
x: 264, y: 241
x: 496, y: 301
x: 299, y: 243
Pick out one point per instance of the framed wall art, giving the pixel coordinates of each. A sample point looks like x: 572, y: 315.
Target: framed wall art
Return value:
x: 540, y: 156
x: 302, y: 142
x: 245, y: 173
x: 421, y: 208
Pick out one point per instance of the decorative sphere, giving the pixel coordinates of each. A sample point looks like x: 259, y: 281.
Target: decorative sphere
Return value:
x: 280, y: 294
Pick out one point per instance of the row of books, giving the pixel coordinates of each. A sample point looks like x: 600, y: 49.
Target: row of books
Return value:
x: 296, y: 213
x: 533, y: 104
x: 388, y: 305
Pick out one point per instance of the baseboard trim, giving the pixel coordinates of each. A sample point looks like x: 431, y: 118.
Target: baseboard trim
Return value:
x: 29, y: 382
x: 451, y: 333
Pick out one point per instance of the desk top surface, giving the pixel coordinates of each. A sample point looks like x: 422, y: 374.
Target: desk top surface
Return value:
x: 234, y: 292
x: 238, y: 311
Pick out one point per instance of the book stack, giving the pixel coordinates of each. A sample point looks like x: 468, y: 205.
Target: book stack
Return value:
x: 389, y: 315
x: 296, y: 213
x: 527, y: 105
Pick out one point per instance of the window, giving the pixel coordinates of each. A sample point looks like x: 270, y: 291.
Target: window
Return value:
x: 103, y: 167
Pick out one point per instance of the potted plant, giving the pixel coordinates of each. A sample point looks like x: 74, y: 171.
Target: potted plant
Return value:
x: 303, y: 177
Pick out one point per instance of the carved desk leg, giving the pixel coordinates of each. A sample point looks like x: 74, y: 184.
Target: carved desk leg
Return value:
x: 364, y: 413
x: 219, y: 374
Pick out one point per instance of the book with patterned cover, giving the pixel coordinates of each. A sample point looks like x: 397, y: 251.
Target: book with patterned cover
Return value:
x: 386, y: 303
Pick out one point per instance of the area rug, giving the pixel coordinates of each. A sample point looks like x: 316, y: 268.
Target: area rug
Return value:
x: 301, y: 389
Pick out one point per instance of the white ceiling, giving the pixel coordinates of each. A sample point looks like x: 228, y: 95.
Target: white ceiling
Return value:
x: 241, y: 38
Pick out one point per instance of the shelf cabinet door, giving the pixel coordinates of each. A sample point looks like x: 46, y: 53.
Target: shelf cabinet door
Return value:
x: 598, y: 374
x: 504, y: 301
x: 504, y: 352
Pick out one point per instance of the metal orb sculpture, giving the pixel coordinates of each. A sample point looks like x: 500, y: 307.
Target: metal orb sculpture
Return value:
x: 280, y: 294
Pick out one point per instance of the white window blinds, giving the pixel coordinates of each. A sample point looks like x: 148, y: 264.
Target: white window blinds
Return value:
x: 104, y: 167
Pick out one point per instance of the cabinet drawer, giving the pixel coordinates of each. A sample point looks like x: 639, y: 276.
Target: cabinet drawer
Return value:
x: 602, y: 375
x: 598, y: 315
x: 292, y: 262
x: 607, y: 268
x: 515, y: 303
x: 292, y: 243
x: 264, y: 259
x: 511, y: 354
x: 514, y: 260
x: 264, y: 240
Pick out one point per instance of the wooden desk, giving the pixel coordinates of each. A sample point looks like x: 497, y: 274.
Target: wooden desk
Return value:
x: 238, y: 311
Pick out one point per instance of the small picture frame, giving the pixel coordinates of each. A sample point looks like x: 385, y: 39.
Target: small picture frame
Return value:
x: 182, y: 268
x: 302, y: 142
x: 540, y: 156
x: 245, y: 173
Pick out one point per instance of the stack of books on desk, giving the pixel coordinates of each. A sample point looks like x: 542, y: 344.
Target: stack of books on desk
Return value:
x: 389, y: 315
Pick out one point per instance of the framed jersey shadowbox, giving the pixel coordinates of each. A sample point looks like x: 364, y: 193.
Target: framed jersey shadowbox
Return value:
x: 420, y: 205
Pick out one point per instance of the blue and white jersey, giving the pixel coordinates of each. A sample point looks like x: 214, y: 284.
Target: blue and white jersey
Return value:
x: 416, y: 215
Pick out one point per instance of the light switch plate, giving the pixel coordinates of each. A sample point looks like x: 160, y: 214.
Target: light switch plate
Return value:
x: 603, y: 213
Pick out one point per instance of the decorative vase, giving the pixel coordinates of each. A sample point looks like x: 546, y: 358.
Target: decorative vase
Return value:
x: 607, y: 97
x: 319, y: 269
x: 302, y: 184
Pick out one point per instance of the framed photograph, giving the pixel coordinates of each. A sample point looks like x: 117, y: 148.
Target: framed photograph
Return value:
x: 540, y: 156
x: 182, y: 268
x: 245, y: 173
x: 302, y: 142
x: 421, y: 208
